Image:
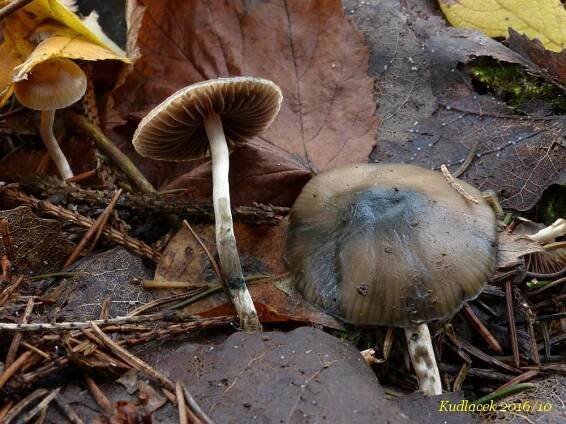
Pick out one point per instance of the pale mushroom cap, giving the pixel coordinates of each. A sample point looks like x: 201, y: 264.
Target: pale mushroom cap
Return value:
x: 391, y: 245
x: 174, y: 130
x: 53, y: 84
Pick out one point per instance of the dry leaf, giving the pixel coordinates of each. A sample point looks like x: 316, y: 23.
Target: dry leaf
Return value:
x: 272, y: 170
x: 551, y: 63
x: 310, y: 49
x: 63, y: 42
x: 544, y: 20
x: 38, y: 243
x: 261, y: 250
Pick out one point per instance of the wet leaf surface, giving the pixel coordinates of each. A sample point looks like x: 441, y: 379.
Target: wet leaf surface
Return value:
x: 310, y: 49
x: 38, y: 243
x: 431, y: 114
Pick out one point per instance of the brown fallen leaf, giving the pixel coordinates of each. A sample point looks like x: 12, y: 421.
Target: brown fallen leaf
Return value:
x: 310, y: 49
x: 431, y: 114
x: 271, y: 171
x: 38, y: 243
x: 553, y: 64
x: 261, y: 253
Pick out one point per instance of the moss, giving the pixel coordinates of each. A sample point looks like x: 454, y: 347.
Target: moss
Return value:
x: 552, y: 204
x: 512, y: 84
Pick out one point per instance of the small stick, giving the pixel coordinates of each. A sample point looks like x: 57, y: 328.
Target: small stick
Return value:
x: 196, y: 407
x: 529, y: 375
x: 96, y: 229
x: 8, y: 291
x: 37, y: 350
x: 5, y: 409
x: 97, y: 394
x: 107, y: 147
x: 82, y: 176
x: 462, y: 374
x: 21, y: 405
x: 482, y: 330
x: 6, y: 269
x: 134, y: 361
x: 162, y: 301
x: 181, y: 404
x: 165, y: 284
x: 12, y: 7
x: 213, y: 263
x: 12, y: 369
x: 511, y: 322
x: 71, y: 415
x: 457, y: 186
x: 14, y: 346
x: 40, y: 406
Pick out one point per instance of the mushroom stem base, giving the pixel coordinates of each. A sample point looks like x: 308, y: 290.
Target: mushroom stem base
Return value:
x: 225, y: 239
x: 53, y: 148
x: 423, y: 360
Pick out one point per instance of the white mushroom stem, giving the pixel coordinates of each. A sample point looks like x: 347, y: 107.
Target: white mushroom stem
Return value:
x: 225, y: 240
x: 423, y: 360
x: 53, y: 148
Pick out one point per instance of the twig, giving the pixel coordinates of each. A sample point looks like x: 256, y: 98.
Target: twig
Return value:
x: 97, y: 394
x: 153, y: 203
x: 40, y: 406
x: 507, y: 391
x: 8, y: 291
x: 134, y: 361
x: 71, y: 415
x: 181, y: 404
x: 468, y: 161
x: 21, y: 405
x: 112, y: 234
x: 529, y: 375
x: 14, y: 346
x: 12, y: 369
x: 457, y: 186
x: 107, y: 147
x: 81, y: 177
x: 511, y: 321
x: 481, y: 329
x: 195, y: 407
x: 7, y: 240
x: 94, y: 231
x: 12, y: 7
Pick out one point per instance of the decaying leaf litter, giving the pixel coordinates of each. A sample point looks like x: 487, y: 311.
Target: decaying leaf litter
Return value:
x: 393, y: 82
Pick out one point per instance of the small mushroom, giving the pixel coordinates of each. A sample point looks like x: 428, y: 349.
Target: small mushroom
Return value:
x: 214, y: 116
x: 51, y: 85
x: 391, y: 245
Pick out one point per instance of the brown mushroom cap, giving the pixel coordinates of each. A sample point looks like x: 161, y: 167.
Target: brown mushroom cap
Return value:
x: 389, y: 244
x: 175, y: 131
x: 53, y: 84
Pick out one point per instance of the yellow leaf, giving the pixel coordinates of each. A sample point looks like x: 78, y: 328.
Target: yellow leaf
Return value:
x: 54, y: 9
x: 544, y: 20
x: 63, y: 42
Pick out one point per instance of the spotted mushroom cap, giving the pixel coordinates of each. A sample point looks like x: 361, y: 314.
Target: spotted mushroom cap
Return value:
x: 174, y: 130
x: 391, y: 245
x: 52, y: 84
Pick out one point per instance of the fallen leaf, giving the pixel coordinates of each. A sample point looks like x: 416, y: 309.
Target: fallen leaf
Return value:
x: 310, y: 49
x: 431, y: 114
x: 544, y: 20
x: 63, y: 42
x: 553, y: 64
x: 261, y: 250
x: 88, y: 27
x: 304, y: 376
x: 39, y: 245
x: 271, y: 171
x: 110, y: 273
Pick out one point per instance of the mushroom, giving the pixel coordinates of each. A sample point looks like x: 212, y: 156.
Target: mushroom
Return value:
x: 214, y: 116
x: 391, y: 245
x: 51, y: 85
